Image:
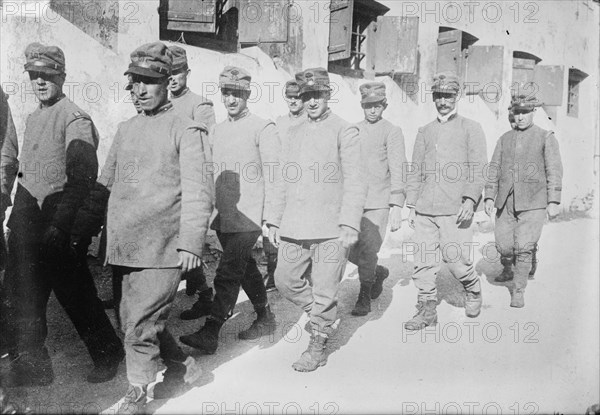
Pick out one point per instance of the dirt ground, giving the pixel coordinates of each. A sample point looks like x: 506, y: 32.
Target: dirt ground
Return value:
x: 540, y: 359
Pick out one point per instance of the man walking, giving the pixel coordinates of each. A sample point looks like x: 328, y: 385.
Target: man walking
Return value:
x: 382, y: 145
x: 524, y: 184
x: 57, y: 169
x: 444, y: 187
x: 245, y: 151
x: 316, y: 217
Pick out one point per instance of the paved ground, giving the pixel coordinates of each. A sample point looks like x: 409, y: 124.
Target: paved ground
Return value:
x: 540, y: 359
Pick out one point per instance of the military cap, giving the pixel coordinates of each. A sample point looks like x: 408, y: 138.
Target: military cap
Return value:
x: 234, y: 78
x: 152, y: 59
x: 292, y: 89
x: 179, y: 58
x: 313, y: 80
x: 446, y: 82
x: 47, y: 59
x: 372, y: 92
x: 523, y: 102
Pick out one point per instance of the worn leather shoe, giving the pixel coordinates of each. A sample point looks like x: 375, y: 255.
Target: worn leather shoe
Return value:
x: 206, y: 339
x: 105, y: 372
x: 381, y: 273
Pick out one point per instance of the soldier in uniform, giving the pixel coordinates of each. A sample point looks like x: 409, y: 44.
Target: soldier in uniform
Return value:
x: 317, y: 213
x: 524, y: 184
x: 382, y: 145
x: 245, y: 150
x: 201, y: 110
x: 444, y: 187
x: 57, y: 170
x: 159, y: 203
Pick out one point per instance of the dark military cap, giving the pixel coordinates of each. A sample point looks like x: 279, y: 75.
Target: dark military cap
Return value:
x: 292, y: 89
x: 234, y: 78
x: 313, y: 80
x: 523, y: 103
x: 446, y: 83
x: 47, y: 59
x: 179, y: 58
x: 152, y: 60
x: 372, y: 92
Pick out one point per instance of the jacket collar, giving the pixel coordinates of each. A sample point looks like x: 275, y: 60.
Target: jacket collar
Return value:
x: 323, y: 117
x: 448, y: 117
x: 158, y: 110
x: 54, y: 101
x: 238, y: 117
x: 185, y: 91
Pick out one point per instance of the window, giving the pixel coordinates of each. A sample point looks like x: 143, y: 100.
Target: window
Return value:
x: 453, y: 50
x: 575, y: 78
x: 523, y: 68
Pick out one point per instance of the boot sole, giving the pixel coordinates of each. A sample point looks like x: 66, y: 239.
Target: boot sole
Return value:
x: 298, y: 369
x: 421, y: 327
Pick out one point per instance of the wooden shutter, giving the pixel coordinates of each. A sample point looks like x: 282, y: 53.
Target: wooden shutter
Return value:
x: 392, y: 44
x: 263, y: 21
x: 549, y: 83
x: 340, y: 29
x: 192, y: 15
x: 449, y: 51
x: 484, y: 74
x: 523, y: 71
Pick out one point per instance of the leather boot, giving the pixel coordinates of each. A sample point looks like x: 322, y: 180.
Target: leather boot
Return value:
x: 363, y: 305
x: 263, y: 325
x: 507, y: 272
x: 201, y: 307
x: 176, y: 376
x: 206, y: 339
x: 426, y: 316
x: 314, y: 356
x: 106, y: 371
x: 517, y: 298
x: 134, y: 401
x: 381, y: 273
x: 534, y: 263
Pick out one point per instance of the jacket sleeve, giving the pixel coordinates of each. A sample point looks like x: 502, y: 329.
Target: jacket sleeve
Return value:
x: 269, y: 146
x: 196, y: 192
x: 278, y: 201
x: 492, y: 172
x: 9, y: 164
x: 354, y: 174
x: 476, y: 162
x: 554, y: 169
x: 413, y: 174
x: 205, y: 113
x: 396, y: 153
x: 81, y: 168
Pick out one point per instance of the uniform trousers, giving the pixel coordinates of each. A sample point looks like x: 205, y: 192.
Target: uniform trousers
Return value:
x: 363, y: 254
x: 437, y: 239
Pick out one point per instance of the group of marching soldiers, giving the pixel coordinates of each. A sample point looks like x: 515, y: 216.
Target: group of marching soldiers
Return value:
x: 323, y: 191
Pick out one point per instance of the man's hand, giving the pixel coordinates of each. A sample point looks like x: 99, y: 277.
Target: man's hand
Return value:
x: 489, y: 207
x: 395, y: 218
x: 274, y: 236
x: 55, y: 243
x: 188, y: 261
x: 348, y: 236
x: 466, y: 211
x: 553, y: 210
x: 412, y: 216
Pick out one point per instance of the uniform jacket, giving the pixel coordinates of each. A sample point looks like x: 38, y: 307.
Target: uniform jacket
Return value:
x: 323, y: 183
x: 57, y: 167
x: 529, y: 163
x: 160, y: 192
x: 195, y: 107
x: 9, y: 146
x: 285, y: 122
x: 382, y: 145
x: 246, y: 153
x: 447, y: 166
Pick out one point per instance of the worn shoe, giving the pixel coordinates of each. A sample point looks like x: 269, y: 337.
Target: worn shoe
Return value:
x: 201, y: 307
x: 105, y: 372
x: 381, y: 273
x: 314, y: 356
x: 517, y: 299
x: 426, y: 316
x: 31, y: 369
x: 263, y: 325
x: 134, y: 401
x: 206, y: 339
x: 363, y: 304
x: 473, y: 304
x: 507, y: 271
x: 175, y: 378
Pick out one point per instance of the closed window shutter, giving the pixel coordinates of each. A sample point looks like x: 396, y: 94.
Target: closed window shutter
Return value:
x: 340, y: 29
x: 484, y: 74
x: 549, y: 82
x: 263, y: 21
x: 523, y: 70
x: 392, y: 44
x: 449, y: 51
x: 191, y: 15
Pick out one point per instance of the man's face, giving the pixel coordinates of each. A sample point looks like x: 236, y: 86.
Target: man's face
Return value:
x: 444, y: 102
x: 523, y: 118
x: 151, y: 93
x: 46, y: 87
x: 294, y: 104
x: 136, y: 103
x: 315, y: 103
x: 235, y: 101
x: 178, y: 81
x: 374, y: 110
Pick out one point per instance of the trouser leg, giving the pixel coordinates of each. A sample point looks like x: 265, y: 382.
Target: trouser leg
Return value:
x: 292, y: 262
x: 426, y: 256
x: 271, y: 254
x: 527, y: 234
x: 253, y: 284
x: 456, y: 246
x: 363, y: 254
x: 504, y: 232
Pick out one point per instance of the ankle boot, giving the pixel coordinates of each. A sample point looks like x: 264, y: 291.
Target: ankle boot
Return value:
x: 474, y: 300
x: 426, y: 316
x: 206, y: 339
x: 517, y: 298
x: 134, y: 401
x: 314, y: 356
x: 176, y: 376
x: 201, y: 307
x: 381, y: 273
x: 263, y: 325
x: 363, y: 305
x: 507, y: 272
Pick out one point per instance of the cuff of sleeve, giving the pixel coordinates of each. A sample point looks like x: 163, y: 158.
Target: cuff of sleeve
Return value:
x: 554, y: 197
x: 397, y: 199
x: 357, y: 229
x: 191, y: 244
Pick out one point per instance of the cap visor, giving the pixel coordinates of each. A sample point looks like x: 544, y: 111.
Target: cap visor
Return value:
x: 234, y: 86
x: 137, y: 70
x: 370, y: 100
x: 314, y: 88
x: 43, y: 69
